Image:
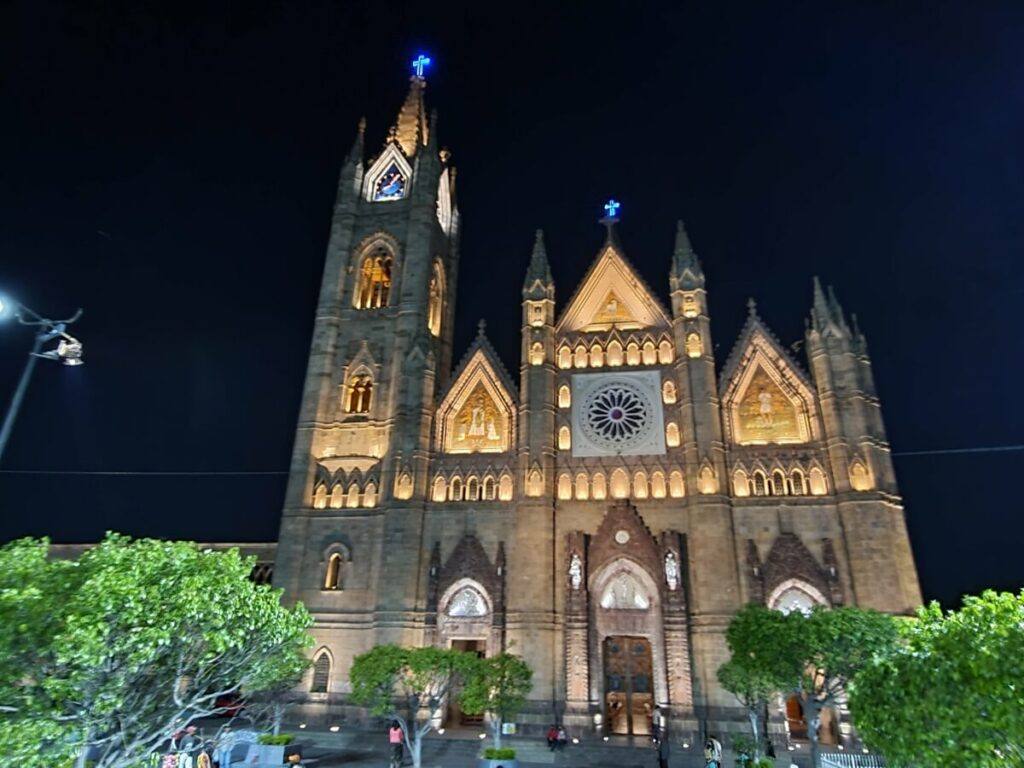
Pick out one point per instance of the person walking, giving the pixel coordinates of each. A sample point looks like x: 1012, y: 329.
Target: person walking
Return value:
x: 397, y: 748
x: 664, y: 749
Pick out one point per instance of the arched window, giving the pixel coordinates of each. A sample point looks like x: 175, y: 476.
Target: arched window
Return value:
x: 658, y: 489
x: 320, y: 497
x: 564, y: 487
x: 333, y: 573
x: 650, y: 353
x: 580, y: 358
x: 321, y: 673
x: 665, y: 355
x: 440, y: 489
x: 632, y: 353
x: 860, y: 479
x: 472, y: 489
x: 694, y: 348
x: 505, y: 487
x: 795, y: 595
x: 489, y: 488
x: 778, y: 486
x: 760, y: 483
x: 708, y: 483
x: 403, y: 486
x: 337, y: 496
x: 374, y: 280
x: 582, y: 487
x: 596, y: 356
x: 564, y: 439
x: 740, y: 483
x: 676, y: 486
x: 640, y: 485
x: 668, y: 392
x: 360, y: 393
x: 819, y: 486
x: 690, y: 308
x: 614, y: 353
x: 370, y: 494
x: 467, y: 603
x: 455, y: 489
x: 564, y: 397
x: 564, y: 357
x: 600, y: 489
x: 797, y: 483
x: 352, y: 500
x: 534, y: 483
x: 620, y: 484
x: 537, y: 354
x: 672, y: 434
x: 435, y: 299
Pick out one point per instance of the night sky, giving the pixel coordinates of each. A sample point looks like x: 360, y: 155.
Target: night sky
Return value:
x: 172, y: 170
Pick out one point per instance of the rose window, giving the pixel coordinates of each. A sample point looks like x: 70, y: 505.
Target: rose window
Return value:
x: 617, y: 415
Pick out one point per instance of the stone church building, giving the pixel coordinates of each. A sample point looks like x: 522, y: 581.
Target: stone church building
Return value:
x: 603, y: 510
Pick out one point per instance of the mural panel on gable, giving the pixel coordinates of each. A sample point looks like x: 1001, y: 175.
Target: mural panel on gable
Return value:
x: 480, y: 425
x: 766, y: 414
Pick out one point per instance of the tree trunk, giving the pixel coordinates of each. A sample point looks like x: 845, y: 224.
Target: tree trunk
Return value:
x: 278, y: 717
x: 80, y: 761
x: 752, y: 716
x: 415, y: 749
x: 496, y: 725
x: 813, y: 723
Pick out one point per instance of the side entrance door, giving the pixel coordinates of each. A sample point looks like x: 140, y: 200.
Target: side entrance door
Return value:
x: 628, y: 681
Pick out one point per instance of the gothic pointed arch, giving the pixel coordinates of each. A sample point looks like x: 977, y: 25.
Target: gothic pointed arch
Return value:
x: 766, y: 397
x: 789, y: 562
x: 612, y: 295
x: 478, y: 412
x: 323, y: 663
x: 374, y: 267
x: 435, y: 298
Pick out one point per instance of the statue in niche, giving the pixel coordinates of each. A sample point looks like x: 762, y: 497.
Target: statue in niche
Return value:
x: 575, y: 571
x: 764, y: 399
x: 671, y: 570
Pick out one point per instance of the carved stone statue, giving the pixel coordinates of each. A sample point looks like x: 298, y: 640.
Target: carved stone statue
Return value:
x: 671, y: 570
x: 575, y: 571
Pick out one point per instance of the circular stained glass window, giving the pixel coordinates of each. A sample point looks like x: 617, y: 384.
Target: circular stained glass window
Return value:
x: 617, y: 415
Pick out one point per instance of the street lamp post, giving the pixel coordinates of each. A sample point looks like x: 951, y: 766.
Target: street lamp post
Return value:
x: 68, y: 352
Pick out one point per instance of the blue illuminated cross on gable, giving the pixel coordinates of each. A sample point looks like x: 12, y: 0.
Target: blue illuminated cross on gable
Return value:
x: 419, y: 64
x: 612, y: 207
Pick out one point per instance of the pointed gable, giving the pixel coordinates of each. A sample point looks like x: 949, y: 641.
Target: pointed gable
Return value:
x: 612, y: 295
x: 478, y: 412
x: 766, y: 397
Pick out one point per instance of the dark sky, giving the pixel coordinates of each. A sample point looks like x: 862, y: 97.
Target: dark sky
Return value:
x: 172, y: 169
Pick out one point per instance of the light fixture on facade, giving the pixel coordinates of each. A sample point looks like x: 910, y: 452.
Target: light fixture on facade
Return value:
x: 302, y: 725
x: 334, y: 728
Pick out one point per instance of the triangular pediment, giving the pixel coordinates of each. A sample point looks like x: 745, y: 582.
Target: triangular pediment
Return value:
x: 766, y: 398
x: 612, y: 295
x: 478, y: 413
x: 388, y: 177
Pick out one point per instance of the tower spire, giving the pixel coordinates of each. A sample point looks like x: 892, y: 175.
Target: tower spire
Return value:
x: 411, y: 129
x: 539, y: 269
x: 686, y: 268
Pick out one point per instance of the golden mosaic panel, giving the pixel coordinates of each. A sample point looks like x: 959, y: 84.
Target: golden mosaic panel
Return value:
x: 480, y: 425
x: 767, y: 415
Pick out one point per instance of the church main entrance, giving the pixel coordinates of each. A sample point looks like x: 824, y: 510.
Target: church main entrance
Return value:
x: 628, y: 680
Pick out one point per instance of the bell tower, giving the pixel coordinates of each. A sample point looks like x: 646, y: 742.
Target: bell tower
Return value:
x: 381, y: 349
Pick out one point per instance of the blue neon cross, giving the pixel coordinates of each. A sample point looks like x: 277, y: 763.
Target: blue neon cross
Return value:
x: 612, y: 207
x: 419, y: 63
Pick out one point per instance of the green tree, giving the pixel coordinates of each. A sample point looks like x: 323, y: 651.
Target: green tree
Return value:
x: 951, y: 693
x: 753, y: 689
x: 498, y: 686
x: 116, y: 650
x: 409, y: 685
x: 813, y: 655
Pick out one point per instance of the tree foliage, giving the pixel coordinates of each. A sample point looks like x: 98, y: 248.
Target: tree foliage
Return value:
x: 116, y: 650
x: 952, y: 692
x: 498, y: 686
x: 410, y: 685
x: 814, y: 655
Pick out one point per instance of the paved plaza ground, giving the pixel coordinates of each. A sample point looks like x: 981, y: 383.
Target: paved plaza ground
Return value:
x: 460, y: 750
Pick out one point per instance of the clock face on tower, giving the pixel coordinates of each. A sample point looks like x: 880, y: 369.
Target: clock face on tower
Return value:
x: 617, y: 414
x: 390, y: 185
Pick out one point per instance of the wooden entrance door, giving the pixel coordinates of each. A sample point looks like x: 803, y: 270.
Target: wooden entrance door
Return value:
x: 628, y: 685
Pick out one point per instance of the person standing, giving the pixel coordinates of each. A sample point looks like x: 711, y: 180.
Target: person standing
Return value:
x: 664, y: 750
x: 395, y: 740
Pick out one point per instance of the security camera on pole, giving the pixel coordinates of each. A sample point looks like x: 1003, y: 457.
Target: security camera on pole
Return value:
x: 67, y: 352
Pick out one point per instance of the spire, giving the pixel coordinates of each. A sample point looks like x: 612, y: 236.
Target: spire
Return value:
x: 539, y: 269
x: 684, y: 258
x: 836, y: 309
x: 355, y: 155
x: 821, y: 316
x: 411, y: 129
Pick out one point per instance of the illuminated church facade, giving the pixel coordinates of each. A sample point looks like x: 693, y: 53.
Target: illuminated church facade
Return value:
x: 604, y: 512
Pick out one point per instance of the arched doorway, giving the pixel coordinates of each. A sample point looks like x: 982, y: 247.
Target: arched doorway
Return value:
x: 465, y: 624
x: 630, y: 679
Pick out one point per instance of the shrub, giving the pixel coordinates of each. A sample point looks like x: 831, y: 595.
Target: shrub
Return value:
x: 499, y: 754
x: 280, y: 740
